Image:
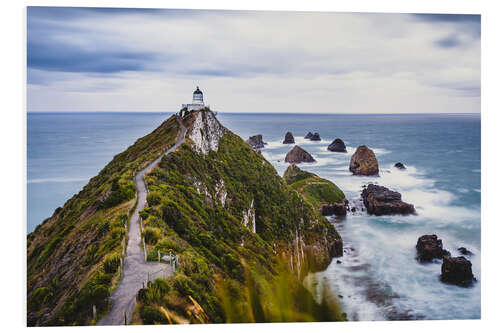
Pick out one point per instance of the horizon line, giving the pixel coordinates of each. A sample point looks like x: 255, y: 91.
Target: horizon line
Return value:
x: 223, y: 112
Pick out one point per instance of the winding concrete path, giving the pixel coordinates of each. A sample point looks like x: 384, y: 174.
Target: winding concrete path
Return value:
x: 136, y: 269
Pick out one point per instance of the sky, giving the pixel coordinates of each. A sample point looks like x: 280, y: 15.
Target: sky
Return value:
x: 151, y: 60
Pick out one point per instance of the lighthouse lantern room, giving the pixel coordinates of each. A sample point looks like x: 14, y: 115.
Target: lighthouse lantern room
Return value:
x: 197, y: 103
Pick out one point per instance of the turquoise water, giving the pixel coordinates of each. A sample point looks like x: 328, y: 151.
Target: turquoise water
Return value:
x: 378, y: 277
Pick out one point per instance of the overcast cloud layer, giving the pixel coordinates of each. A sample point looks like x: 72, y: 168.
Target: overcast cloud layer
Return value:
x: 89, y: 59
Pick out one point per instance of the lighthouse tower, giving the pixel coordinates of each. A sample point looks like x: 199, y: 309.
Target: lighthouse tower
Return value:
x: 197, y: 103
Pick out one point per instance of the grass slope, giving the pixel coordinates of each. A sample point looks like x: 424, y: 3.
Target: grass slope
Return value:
x: 202, y: 208
x: 73, y: 256
x: 316, y: 190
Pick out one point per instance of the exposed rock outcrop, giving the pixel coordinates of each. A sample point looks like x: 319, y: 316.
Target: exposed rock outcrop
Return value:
x: 337, y: 145
x: 289, y: 138
x: 457, y: 270
x: 206, y: 132
x: 256, y: 142
x: 400, y: 166
x: 379, y: 200
x: 315, y: 137
x: 298, y: 155
x: 429, y: 247
x: 364, y: 162
x: 337, y: 208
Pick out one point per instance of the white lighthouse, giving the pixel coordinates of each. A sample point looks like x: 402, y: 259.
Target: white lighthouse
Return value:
x: 197, y: 103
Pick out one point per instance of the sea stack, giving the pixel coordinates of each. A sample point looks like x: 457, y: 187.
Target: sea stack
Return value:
x: 308, y: 135
x: 298, y: 155
x: 364, y: 162
x: 289, y: 138
x: 315, y: 137
x: 337, y: 145
x: 379, y: 200
x: 457, y: 270
x: 429, y: 247
x: 256, y: 142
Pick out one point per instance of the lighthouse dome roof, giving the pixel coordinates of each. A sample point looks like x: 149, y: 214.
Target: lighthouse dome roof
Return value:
x: 197, y: 91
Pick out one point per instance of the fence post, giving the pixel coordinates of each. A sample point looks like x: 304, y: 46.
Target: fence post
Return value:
x: 125, y: 316
x: 159, y: 256
x: 145, y: 253
x: 94, y: 311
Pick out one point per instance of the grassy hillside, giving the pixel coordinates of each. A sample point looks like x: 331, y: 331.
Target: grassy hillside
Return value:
x: 315, y: 190
x: 235, y: 225
x: 73, y: 256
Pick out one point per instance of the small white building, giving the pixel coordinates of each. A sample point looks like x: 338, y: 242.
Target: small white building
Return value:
x: 197, y: 103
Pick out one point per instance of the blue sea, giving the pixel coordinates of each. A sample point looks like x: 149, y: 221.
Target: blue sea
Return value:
x: 378, y: 277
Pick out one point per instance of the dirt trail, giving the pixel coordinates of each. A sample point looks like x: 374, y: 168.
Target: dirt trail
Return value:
x: 136, y: 270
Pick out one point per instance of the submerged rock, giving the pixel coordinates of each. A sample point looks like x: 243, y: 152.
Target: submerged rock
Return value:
x: 400, y: 166
x: 315, y: 137
x: 464, y: 251
x: 429, y: 247
x: 289, y: 138
x: 364, y: 162
x: 256, y: 142
x: 457, y: 270
x: 298, y: 155
x: 379, y: 200
x: 308, y: 135
x: 337, y: 145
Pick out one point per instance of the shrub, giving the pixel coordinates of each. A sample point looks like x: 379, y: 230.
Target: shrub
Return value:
x: 111, y: 264
x: 152, y: 235
x: 39, y: 297
x: 151, y: 316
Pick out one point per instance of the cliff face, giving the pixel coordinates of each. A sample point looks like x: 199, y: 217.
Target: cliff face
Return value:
x: 214, y: 201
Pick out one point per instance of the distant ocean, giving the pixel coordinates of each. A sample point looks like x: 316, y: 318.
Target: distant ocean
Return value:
x: 378, y: 278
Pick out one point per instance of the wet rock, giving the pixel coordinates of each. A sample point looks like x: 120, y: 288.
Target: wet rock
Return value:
x: 337, y: 145
x: 364, y: 162
x: 339, y: 262
x: 457, y: 270
x: 400, y: 166
x: 464, y: 251
x: 256, y: 142
x: 379, y: 200
x: 315, y: 137
x: 337, y: 208
x: 327, y: 210
x: 298, y: 155
x: 289, y: 138
x: 337, y: 248
x: 429, y: 247
x: 308, y: 135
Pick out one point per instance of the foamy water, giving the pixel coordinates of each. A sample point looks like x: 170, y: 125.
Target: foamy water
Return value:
x: 378, y: 277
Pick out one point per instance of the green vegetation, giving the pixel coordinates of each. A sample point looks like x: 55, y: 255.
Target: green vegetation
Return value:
x: 80, y: 245
x: 242, y: 234
x: 214, y: 237
x: 316, y: 190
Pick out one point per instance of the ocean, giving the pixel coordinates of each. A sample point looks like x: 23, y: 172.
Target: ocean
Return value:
x: 378, y: 277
